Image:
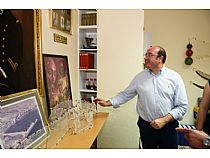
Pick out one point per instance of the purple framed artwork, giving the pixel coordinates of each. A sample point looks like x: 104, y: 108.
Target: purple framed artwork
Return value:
x: 57, y: 81
x: 23, y: 124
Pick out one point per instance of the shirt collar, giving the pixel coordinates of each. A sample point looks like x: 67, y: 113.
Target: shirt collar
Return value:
x: 160, y: 72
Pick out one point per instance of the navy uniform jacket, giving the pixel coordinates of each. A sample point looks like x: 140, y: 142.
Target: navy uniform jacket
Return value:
x: 11, y: 52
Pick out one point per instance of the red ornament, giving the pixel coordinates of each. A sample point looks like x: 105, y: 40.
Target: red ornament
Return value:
x: 189, y: 52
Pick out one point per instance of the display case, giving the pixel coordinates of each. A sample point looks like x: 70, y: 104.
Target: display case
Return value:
x: 87, y: 53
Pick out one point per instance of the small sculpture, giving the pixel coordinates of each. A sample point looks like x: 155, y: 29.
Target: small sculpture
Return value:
x: 89, y: 43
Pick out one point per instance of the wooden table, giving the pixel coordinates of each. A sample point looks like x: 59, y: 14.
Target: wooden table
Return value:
x: 85, y: 139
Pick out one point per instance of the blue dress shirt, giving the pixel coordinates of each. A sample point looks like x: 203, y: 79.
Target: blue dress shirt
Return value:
x: 158, y: 94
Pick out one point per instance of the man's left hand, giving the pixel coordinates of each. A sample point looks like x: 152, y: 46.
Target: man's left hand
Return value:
x: 158, y: 123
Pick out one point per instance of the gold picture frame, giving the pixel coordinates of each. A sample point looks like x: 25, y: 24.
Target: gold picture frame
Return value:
x: 38, y: 51
x: 61, y: 19
x: 21, y: 68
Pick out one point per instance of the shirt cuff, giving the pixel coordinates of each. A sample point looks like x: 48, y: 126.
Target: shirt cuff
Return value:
x: 113, y: 105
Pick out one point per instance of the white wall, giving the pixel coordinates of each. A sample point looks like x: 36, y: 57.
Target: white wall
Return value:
x: 172, y: 29
x: 120, y: 41
x: 69, y: 49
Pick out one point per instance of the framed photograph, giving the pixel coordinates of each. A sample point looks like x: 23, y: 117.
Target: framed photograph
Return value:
x: 23, y: 124
x: 57, y: 82
x: 61, y: 19
x: 21, y: 56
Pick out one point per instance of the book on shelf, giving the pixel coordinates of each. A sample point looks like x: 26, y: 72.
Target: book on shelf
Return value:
x: 88, y: 19
x: 86, y: 61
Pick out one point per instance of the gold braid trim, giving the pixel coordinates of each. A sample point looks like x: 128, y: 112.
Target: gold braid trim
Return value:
x: 14, y: 65
x: 4, y: 84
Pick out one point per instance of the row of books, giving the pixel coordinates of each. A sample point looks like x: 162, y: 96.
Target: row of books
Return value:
x: 88, y: 19
x: 86, y: 61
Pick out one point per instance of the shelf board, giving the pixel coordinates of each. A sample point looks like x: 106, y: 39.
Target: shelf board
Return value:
x: 89, y: 50
x: 88, y: 27
x: 89, y: 70
x: 87, y: 91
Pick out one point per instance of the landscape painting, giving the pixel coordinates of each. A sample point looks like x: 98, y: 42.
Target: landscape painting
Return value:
x: 21, y: 122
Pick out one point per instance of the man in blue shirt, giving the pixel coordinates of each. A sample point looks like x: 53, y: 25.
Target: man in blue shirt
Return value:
x: 161, y: 103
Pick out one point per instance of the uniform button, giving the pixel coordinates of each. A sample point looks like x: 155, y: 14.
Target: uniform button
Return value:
x: 2, y: 60
x: 3, y: 46
x: 4, y: 30
x: 3, y: 38
x: 2, y: 53
x: 6, y: 25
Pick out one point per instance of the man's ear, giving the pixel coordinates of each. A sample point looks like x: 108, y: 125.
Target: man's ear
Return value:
x: 159, y: 57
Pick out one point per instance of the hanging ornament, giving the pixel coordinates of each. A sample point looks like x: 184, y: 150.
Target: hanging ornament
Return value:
x: 188, y: 61
x: 189, y: 53
x: 189, y: 46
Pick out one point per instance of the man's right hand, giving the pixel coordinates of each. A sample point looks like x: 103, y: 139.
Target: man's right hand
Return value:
x: 102, y: 102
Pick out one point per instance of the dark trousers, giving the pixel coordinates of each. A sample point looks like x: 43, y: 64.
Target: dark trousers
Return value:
x: 164, y: 138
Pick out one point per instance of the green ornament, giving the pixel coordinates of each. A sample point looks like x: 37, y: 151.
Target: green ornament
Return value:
x: 188, y: 61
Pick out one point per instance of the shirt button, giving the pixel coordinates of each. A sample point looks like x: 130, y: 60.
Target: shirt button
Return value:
x: 3, y: 38
x: 3, y: 46
x: 2, y: 53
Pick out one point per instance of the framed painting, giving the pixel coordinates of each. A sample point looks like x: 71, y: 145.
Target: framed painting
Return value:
x: 23, y: 123
x: 57, y: 83
x: 21, y: 57
x: 61, y: 19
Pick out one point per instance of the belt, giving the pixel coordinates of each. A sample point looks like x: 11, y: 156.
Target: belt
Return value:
x: 170, y: 123
x: 141, y: 119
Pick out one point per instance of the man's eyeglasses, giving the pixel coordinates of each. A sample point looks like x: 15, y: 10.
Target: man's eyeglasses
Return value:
x: 149, y: 55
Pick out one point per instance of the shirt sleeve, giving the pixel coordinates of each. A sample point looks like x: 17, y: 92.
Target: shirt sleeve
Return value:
x: 125, y: 95
x: 180, y: 101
